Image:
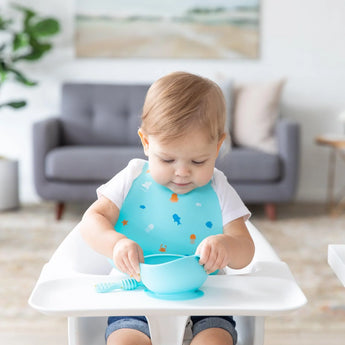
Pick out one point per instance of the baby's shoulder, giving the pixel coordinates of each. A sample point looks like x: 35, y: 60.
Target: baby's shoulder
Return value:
x: 136, y: 164
x: 218, y: 178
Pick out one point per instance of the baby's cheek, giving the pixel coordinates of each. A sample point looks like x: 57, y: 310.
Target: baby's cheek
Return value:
x: 204, y: 177
x: 159, y: 175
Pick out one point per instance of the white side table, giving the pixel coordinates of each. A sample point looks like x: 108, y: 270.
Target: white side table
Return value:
x: 337, y: 145
x: 9, y: 192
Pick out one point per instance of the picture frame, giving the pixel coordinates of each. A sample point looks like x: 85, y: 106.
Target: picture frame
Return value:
x: 189, y: 29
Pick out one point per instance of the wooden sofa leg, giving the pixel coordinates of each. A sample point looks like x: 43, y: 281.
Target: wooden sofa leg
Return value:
x: 60, y: 206
x: 270, y: 211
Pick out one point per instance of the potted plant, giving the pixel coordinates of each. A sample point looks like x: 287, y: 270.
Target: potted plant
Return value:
x: 28, y: 41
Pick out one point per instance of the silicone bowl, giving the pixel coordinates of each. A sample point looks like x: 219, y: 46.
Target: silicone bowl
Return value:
x: 170, y: 276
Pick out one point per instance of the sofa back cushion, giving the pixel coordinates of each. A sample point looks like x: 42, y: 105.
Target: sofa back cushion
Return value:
x: 101, y: 114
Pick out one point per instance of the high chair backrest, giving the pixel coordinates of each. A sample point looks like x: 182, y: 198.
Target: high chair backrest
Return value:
x: 75, y: 255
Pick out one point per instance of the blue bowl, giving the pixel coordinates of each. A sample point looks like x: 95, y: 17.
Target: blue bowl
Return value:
x: 171, y: 276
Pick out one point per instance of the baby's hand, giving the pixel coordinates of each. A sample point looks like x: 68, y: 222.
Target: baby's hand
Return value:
x: 213, y: 252
x: 127, y: 255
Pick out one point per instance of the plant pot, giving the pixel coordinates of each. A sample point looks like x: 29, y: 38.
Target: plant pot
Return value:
x: 9, y: 192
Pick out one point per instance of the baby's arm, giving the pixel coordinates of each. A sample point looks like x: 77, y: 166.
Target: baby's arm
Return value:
x: 234, y: 248
x: 97, y: 229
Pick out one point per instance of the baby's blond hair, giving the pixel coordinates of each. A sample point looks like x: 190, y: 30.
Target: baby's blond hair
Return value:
x: 180, y: 102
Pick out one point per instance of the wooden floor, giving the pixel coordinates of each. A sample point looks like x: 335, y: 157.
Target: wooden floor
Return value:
x: 33, y: 338
x: 305, y: 338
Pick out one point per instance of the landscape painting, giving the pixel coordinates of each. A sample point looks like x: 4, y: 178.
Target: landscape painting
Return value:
x: 172, y: 29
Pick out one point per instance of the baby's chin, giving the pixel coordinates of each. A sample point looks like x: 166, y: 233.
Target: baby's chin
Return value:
x: 181, y: 189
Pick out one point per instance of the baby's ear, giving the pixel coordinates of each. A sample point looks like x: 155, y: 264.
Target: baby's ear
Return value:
x: 144, y: 141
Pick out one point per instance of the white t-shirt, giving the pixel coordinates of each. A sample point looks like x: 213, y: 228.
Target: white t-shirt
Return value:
x: 231, y: 205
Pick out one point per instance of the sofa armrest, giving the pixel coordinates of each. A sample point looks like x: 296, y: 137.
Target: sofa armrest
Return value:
x: 46, y: 136
x: 288, y: 137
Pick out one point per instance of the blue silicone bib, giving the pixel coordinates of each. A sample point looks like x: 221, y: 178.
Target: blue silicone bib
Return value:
x: 161, y: 221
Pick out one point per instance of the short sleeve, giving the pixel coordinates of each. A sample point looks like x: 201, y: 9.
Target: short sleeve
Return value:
x: 231, y: 204
x: 118, y: 187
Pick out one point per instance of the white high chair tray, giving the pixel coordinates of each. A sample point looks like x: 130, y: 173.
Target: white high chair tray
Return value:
x: 268, y: 289
x: 336, y: 259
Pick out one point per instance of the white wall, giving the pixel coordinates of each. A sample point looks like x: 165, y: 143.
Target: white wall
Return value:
x: 300, y: 40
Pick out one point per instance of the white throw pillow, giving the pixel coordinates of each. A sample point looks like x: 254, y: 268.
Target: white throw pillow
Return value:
x: 256, y: 108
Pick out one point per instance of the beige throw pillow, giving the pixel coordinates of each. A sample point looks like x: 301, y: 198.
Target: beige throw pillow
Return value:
x: 256, y: 108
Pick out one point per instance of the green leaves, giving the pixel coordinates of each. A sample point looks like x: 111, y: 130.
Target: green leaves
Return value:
x: 14, y: 104
x: 45, y: 27
x: 32, y: 37
x: 21, y: 78
x: 29, y: 43
x: 4, y: 23
x: 20, y: 40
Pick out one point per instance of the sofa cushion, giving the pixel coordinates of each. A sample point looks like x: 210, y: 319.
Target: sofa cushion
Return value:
x: 101, y: 114
x: 91, y: 164
x: 250, y: 165
x: 256, y: 108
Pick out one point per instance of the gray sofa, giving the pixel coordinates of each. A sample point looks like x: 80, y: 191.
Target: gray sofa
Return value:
x: 263, y: 178
x: 96, y: 135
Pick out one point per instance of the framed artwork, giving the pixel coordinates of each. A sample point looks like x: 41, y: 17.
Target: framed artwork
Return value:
x: 173, y: 29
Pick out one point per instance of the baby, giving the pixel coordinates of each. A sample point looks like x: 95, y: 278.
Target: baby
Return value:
x: 175, y: 202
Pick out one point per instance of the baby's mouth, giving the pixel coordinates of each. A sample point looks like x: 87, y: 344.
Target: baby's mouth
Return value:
x: 182, y: 184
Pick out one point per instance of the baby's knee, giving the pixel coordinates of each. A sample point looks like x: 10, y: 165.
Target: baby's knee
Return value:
x: 214, y: 336
x: 220, y: 329
x: 127, y: 336
x: 127, y: 330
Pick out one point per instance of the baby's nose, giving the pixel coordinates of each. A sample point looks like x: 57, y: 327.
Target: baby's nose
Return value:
x: 182, y: 170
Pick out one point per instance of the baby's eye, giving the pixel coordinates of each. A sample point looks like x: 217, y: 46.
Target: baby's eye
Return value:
x: 168, y: 161
x: 198, y: 162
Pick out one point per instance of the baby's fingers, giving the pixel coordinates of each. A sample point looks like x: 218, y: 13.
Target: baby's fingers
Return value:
x: 216, y: 263
x: 122, y: 265
x: 134, y: 259
x: 205, y: 253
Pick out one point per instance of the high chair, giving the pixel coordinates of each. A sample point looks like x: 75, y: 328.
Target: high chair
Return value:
x: 66, y: 288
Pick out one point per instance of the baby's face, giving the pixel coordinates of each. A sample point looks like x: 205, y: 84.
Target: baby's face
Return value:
x: 183, y: 164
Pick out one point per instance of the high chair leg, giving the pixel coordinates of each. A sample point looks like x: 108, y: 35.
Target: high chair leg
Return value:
x: 87, y: 330
x: 259, y: 330
x: 73, y: 331
x: 167, y: 329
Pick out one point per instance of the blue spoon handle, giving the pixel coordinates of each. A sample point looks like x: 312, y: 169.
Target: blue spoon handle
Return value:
x: 124, y: 284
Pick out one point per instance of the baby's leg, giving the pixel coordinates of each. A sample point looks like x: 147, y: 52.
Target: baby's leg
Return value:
x: 126, y: 336
x: 215, y: 330
x: 128, y: 330
x: 214, y: 336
